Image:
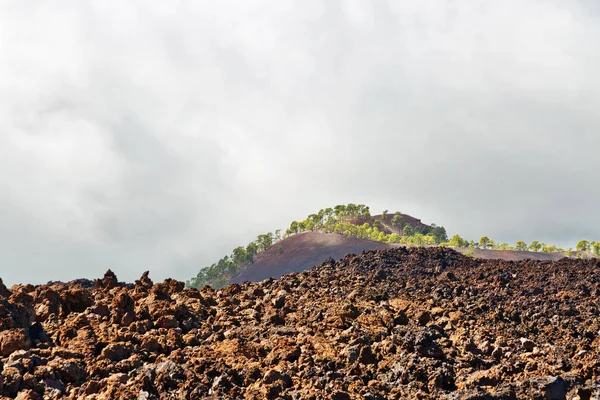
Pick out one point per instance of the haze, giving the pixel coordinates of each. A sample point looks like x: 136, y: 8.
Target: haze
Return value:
x: 159, y: 135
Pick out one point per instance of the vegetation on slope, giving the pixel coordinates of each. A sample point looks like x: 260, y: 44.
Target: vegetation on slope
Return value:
x: 584, y: 248
x: 355, y: 220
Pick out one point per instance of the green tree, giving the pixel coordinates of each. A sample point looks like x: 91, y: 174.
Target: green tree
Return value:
x: 535, y: 246
x: 294, y: 228
x: 239, y: 255
x: 251, y: 251
x: 398, y: 221
x: 264, y: 241
x: 439, y: 233
x: 583, y: 246
x: 457, y: 241
x: 569, y: 252
x: 301, y: 226
x: 483, y: 242
x: 596, y: 248
x: 313, y: 222
x: 393, y: 238
x: 521, y: 245
x: 351, y: 210
x: 408, y: 231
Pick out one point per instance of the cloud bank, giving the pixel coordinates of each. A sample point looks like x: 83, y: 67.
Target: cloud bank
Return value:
x: 152, y: 135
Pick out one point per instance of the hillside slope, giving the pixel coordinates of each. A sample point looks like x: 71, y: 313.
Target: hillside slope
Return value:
x: 300, y: 252
x: 303, y: 251
x: 512, y: 255
x: 351, y: 229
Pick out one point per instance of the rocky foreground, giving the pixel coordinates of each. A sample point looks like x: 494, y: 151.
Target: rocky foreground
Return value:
x: 390, y: 324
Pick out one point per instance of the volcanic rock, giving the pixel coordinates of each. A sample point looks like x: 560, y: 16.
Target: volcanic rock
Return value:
x: 390, y: 324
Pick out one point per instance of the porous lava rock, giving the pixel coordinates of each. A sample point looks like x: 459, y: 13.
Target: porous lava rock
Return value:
x: 389, y: 324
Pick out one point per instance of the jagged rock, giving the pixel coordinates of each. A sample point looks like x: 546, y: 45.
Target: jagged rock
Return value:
x: 13, y: 340
x: 109, y: 281
x: 4, y: 292
x: 527, y: 344
x: 402, y: 323
x: 144, y: 282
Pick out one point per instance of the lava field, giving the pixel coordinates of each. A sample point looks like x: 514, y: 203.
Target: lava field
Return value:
x: 387, y: 324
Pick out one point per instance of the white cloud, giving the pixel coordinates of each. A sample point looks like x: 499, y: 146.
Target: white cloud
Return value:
x: 153, y: 135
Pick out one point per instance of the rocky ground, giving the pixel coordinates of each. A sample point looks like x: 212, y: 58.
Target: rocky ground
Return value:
x: 390, y: 324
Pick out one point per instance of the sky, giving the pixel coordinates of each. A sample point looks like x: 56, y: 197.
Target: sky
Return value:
x: 153, y: 135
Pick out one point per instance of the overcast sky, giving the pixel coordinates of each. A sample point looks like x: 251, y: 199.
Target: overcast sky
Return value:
x: 161, y: 134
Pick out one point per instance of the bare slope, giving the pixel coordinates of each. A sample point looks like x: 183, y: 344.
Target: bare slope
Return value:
x: 513, y: 255
x: 300, y: 252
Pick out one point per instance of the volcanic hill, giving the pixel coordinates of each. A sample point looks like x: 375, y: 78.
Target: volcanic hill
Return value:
x: 335, y: 232
x: 401, y: 323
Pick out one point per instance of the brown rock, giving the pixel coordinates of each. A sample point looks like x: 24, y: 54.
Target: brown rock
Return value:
x: 13, y: 340
x: 4, y: 292
x: 109, y: 281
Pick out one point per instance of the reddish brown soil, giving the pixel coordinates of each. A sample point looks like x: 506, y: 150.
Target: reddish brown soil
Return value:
x: 512, y: 255
x: 303, y: 251
x: 390, y: 324
x: 300, y: 252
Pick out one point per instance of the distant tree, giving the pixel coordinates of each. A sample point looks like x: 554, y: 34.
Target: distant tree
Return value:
x: 535, y: 246
x: 278, y: 235
x: 417, y: 240
x: 239, y: 255
x: 383, y: 214
x: 294, y: 228
x: 313, y: 222
x: 393, y: 238
x: 308, y: 225
x: 279, y: 249
x: 483, y: 242
x: 232, y: 268
x: 264, y: 241
x: 569, y: 252
x: 439, y: 233
x: 251, y: 250
x: 351, y: 209
x: 408, y: 231
x: 398, y: 221
x: 521, y: 245
x: 457, y: 241
x: 583, y: 246
x: 596, y: 248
